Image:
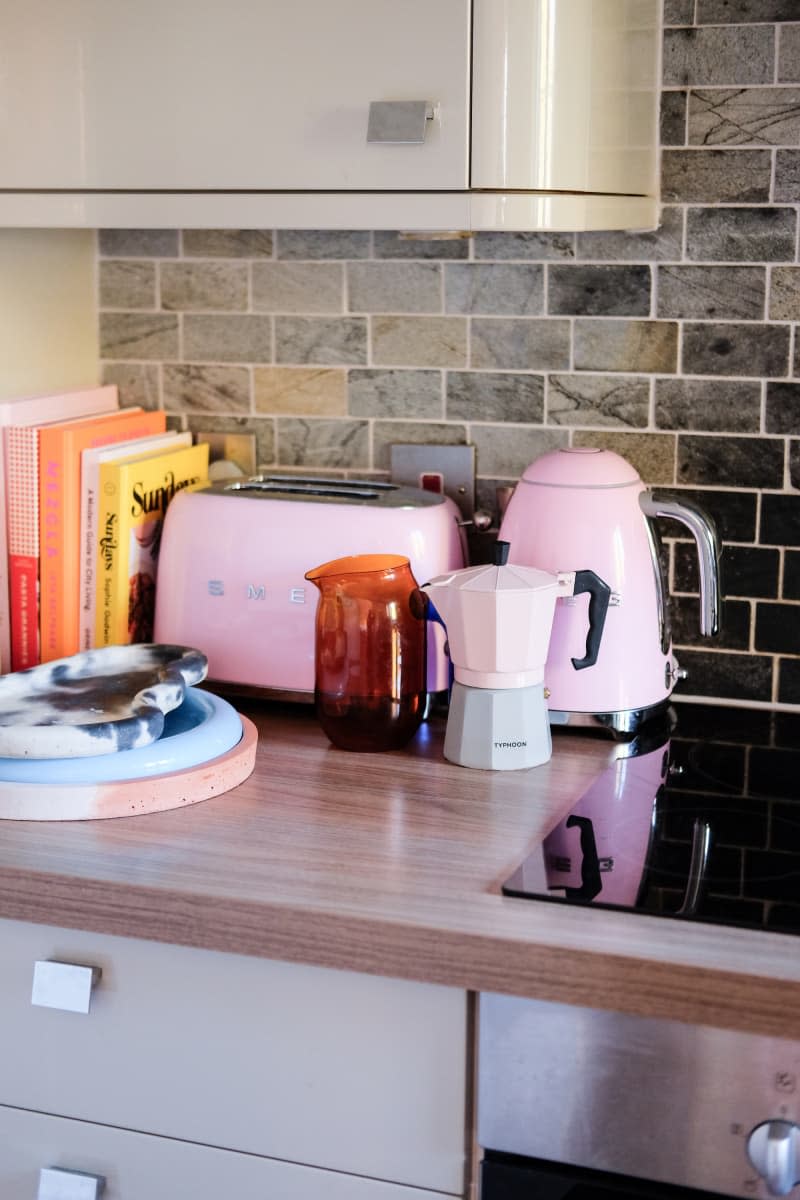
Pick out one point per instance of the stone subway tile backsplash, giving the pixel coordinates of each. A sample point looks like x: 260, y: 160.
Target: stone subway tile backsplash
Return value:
x: 678, y: 348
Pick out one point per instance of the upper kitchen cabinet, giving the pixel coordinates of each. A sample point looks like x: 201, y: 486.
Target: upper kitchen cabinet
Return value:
x: 429, y: 114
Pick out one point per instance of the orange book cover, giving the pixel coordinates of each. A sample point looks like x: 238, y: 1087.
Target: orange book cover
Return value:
x: 60, y: 449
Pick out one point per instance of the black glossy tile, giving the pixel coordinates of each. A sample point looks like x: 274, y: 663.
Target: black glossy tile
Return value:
x: 794, y: 463
x: 783, y: 408
x: 791, y: 575
x: 733, y: 513
x: 789, y: 681
x: 780, y: 521
x: 771, y: 875
x: 783, y: 918
x: 744, y: 570
x: 734, y: 631
x: 713, y: 723
x: 774, y: 772
x: 731, y: 911
x: 728, y: 676
x: 777, y: 628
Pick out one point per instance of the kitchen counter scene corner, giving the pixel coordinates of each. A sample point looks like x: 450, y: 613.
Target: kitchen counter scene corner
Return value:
x: 391, y: 864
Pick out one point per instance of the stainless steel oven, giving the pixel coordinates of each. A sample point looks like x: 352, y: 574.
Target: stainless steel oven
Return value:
x: 699, y: 821
x: 632, y: 1103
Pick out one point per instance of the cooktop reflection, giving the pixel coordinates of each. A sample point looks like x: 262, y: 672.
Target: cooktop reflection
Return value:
x: 698, y: 818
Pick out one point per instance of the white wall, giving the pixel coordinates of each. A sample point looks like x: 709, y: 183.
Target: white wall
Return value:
x: 48, y: 310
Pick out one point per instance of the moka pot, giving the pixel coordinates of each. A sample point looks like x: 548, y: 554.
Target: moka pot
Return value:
x: 498, y: 620
x: 590, y: 506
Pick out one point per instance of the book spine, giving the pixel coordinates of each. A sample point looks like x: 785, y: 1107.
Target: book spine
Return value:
x: 5, y: 611
x: 109, y: 554
x: 88, y: 542
x: 22, y: 478
x: 51, y: 550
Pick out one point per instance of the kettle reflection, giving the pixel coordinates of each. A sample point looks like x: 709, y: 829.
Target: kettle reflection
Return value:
x: 600, y: 850
x: 370, y: 651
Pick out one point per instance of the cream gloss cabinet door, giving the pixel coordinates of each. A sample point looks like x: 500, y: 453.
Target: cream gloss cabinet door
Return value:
x: 58, y: 1159
x: 243, y: 95
x: 328, y: 1068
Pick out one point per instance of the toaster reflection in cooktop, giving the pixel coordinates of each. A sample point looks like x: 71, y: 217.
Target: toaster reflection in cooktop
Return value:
x: 697, y: 818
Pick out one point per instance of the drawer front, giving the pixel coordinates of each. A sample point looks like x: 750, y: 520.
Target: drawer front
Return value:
x: 330, y: 1068
x: 134, y: 1166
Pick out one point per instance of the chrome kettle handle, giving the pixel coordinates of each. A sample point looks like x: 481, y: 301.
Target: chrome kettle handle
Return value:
x: 704, y: 532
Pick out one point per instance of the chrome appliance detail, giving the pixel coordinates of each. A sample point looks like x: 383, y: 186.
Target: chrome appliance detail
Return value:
x: 399, y: 122
x: 704, y: 533
x: 58, y: 1183
x: 655, y: 1099
x: 774, y: 1150
x: 67, y: 986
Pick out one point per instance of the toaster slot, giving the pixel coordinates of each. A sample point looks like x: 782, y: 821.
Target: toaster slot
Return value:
x: 301, y: 485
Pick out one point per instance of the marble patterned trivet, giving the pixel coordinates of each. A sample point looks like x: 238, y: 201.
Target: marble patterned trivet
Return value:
x: 97, y: 702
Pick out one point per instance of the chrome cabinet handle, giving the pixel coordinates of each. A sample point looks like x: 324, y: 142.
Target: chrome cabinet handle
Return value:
x: 399, y: 122
x: 67, y: 986
x: 58, y: 1183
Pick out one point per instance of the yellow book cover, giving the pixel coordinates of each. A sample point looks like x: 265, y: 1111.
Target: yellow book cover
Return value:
x: 132, y: 499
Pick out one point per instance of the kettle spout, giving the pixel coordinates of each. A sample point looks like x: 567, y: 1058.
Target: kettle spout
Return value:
x: 704, y: 532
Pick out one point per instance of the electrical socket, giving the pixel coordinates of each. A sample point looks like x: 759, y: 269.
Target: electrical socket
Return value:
x: 409, y: 462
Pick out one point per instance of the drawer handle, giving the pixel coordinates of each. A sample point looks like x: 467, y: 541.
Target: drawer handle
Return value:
x: 399, y: 122
x: 67, y: 986
x: 57, y: 1183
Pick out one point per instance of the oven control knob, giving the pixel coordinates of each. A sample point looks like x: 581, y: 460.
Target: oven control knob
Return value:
x: 774, y: 1150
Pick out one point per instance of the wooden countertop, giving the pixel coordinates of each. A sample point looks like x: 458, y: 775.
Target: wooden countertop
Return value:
x: 391, y: 864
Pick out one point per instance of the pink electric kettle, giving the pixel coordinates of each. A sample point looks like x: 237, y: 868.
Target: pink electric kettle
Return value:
x: 590, y: 506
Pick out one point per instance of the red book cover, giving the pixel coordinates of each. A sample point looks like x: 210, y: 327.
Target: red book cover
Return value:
x: 60, y: 448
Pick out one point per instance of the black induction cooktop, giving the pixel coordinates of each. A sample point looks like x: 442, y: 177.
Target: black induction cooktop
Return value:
x: 698, y: 817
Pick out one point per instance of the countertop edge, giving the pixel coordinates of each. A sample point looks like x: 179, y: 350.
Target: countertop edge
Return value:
x: 714, y: 995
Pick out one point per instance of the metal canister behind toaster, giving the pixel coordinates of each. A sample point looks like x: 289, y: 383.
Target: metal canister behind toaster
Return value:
x: 234, y: 554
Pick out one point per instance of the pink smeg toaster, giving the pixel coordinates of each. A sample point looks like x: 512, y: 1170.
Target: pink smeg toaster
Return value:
x: 234, y: 555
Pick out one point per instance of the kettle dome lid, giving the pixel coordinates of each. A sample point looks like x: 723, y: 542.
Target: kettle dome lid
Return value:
x: 581, y: 466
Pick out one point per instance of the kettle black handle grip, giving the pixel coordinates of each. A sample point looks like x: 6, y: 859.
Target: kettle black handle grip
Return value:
x: 599, y: 596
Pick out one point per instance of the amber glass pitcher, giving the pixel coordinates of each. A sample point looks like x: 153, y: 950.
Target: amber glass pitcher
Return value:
x: 370, y: 661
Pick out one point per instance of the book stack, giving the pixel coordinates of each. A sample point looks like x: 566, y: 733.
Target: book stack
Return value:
x: 84, y: 485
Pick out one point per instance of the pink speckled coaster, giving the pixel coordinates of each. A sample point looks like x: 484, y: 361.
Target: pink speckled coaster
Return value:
x: 128, y: 798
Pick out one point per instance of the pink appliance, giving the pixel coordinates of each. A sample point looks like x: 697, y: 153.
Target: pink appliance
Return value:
x: 590, y: 506
x: 234, y: 555
x: 498, y: 619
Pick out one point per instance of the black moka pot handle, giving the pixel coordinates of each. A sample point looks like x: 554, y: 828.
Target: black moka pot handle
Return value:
x: 599, y: 597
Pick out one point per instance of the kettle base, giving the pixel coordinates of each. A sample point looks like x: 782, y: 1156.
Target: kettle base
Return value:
x: 621, y: 724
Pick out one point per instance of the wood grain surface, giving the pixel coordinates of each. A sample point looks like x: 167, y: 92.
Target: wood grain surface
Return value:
x: 391, y: 864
